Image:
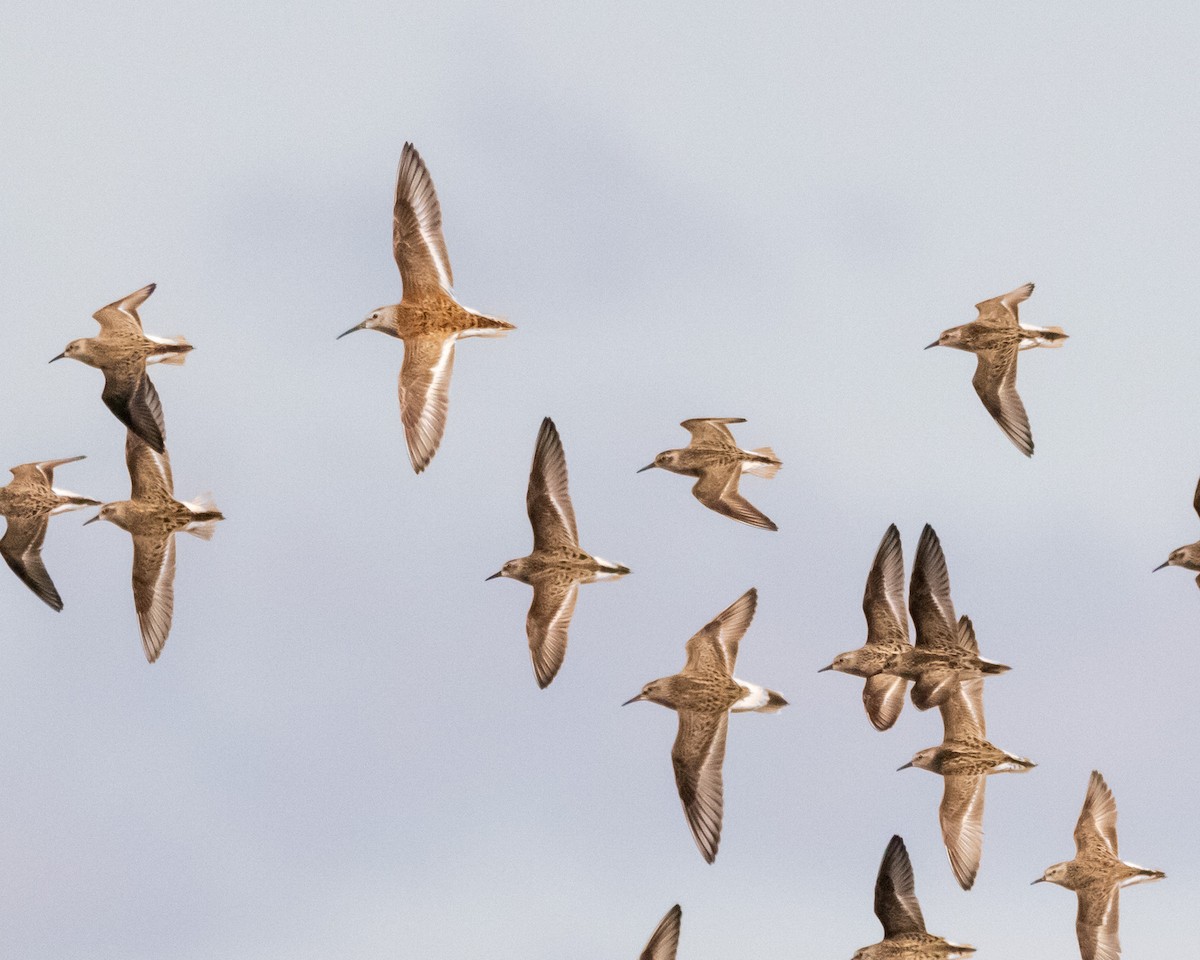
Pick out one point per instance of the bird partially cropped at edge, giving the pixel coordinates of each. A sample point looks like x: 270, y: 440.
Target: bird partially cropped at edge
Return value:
x: 1097, y: 874
x: 152, y: 516
x: 964, y: 760
x: 122, y: 351
x: 887, y: 634
x: 664, y: 941
x: 996, y: 336
x: 1188, y: 556
x: 428, y: 318
x: 896, y: 906
x: 703, y: 694
x: 557, y: 565
x: 715, y: 458
x: 28, y: 502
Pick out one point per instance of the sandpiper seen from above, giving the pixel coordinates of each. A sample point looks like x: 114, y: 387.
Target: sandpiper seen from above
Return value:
x: 703, y: 694
x: 122, y: 351
x: 887, y: 635
x: 557, y: 565
x: 428, y: 318
x: 964, y: 760
x: 715, y: 458
x: 896, y: 906
x: 28, y: 502
x: 152, y: 516
x: 996, y: 336
x: 1097, y: 874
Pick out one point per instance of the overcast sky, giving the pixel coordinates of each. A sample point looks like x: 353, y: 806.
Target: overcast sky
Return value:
x: 754, y: 210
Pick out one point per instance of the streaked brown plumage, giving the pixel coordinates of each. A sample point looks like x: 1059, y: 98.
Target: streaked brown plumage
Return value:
x: 428, y: 318
x: 887, y: 634
x: 996, y: 337
x: 28, y: 502
x: 896, y: 906
x: 152, y: 516
x: 1097, y: 874
x: 704, y: 693
x: 715, y: 458
x: 1187, y: 557
x: 946, y: 651
x: 122, y: 352
x: 964, y: 760
x: 665, y: 940
x: 557, y: 564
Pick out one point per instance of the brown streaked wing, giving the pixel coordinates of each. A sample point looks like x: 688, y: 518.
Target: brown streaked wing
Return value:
x: 546, y: 626
x: 47, y: 467
x: 896, y: 903
x: 665, y: 940
x: 966, y: 635
x: 121, y: 316
x: 961, y: 817
x: 717, y: 489
x: 547, y: 499
x: 715, y: 645
x: 1097, y: 923
x: 929, y: 594
x: 962, y: 711
x: 883, y: 696
x: 1005, y: 306
x: 697, y: 756
x: 29, y: 476
x: 883, y: 598
x: 711, y: 431
x: 425, y: 395
x: 995, y: 381
x: 1196, y: 499
x: 149, y: 471
x: 21, y: 548
x: 935, y: 686
x: 1097, y: 823
x: 154, y: 589
x: 130, y: 395
x: 417, y: 241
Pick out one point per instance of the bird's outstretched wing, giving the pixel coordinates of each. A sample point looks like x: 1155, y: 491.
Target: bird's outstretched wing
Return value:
x: 417, y: 240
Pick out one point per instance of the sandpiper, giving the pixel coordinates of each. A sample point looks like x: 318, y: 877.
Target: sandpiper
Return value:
x: 557, y: 564
x: 887, y: 634
x: 122, y: 351
x: 896, y: 906
x: 1097, y: 874
x: 714, y: 457
x: 964, y: 760
x: 704, y: 693
x: 152, y: 516
x: 665, y: 939
x: 995, y: 337
x: 1187, y: 557
x: 946, y: 651
x: 428, y: 318
x: 28, y: 502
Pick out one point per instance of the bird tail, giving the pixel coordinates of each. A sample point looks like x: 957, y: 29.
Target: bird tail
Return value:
x: 1041, y: 337
x: 991, y: 667
x: 206, y: 515
x: 767, y: 467
x: 485, y: 326
x: 173, y: 351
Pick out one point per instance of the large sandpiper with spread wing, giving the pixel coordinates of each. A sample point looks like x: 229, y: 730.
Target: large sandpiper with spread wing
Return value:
x: 964, y: 760
x: 428, y: 318
x: 665, y: 940
x: 887, y: 634
x: 715, y: 458
x: 122, y: 352
x: 557, y: 565
x: 28, y: 502
x: 1097, y: 874
x: 152, y: 516
x: 946, y: 651
x: 896, y: 906
x: 996, y: 336
x: 1187, y: 557
x: 704, y: 693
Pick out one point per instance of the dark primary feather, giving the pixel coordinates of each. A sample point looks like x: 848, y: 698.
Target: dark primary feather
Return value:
x: 896, y: 903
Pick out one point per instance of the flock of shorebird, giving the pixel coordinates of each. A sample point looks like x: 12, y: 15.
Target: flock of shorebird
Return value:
x: 944, y: 664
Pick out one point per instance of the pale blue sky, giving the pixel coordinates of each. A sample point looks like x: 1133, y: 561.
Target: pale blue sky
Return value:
x: 758, y: 210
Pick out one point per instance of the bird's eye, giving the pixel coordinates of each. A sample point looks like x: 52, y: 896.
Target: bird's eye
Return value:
x: 374, y: 316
